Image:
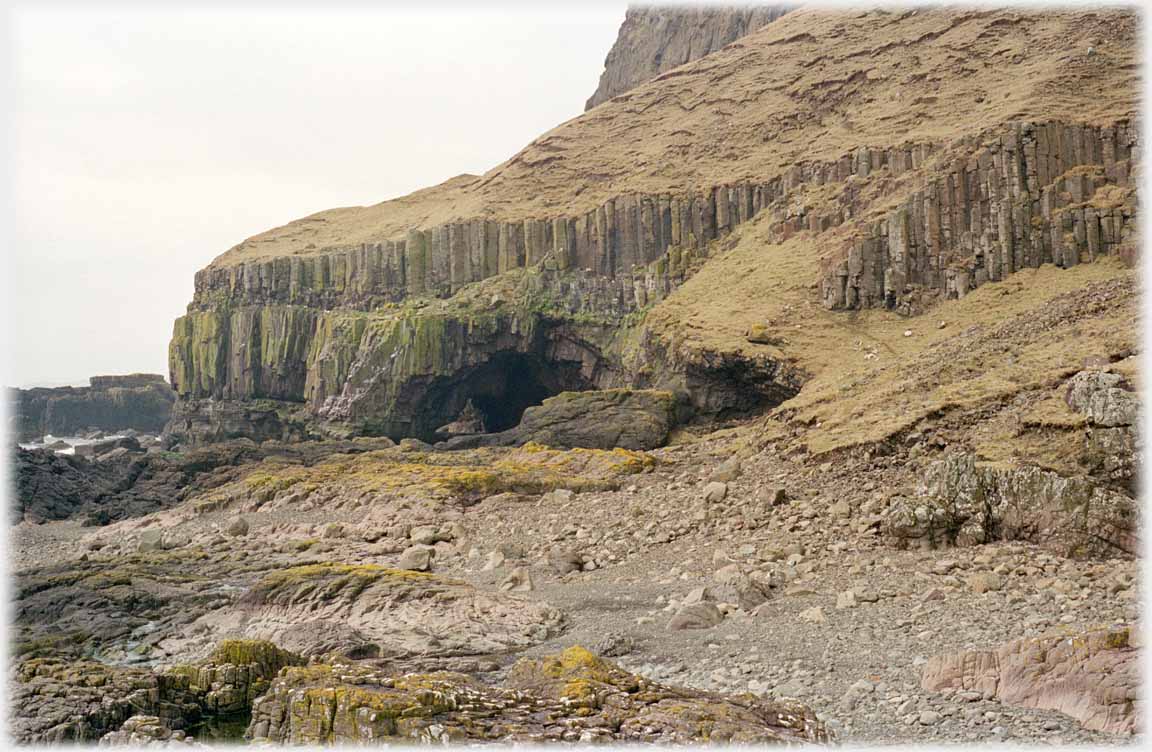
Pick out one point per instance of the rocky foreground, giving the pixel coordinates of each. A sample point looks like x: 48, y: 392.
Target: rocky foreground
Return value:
x: 746, y: 594
x: 789, y: 396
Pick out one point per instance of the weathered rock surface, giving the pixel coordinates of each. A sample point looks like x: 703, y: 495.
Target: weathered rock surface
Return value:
x: 570, y: 697
x: 655, y: 39
x: 60, y: 701
x: 1093, y: 677
x: 371, y: 611
x: 140, y: 401
x: 57, y: 701
x: 1113, y: 444
x: 608, y: 419
x: 964, y: 502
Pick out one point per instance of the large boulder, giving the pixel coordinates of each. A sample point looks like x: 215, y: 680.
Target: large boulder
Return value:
x: 602, y: 419
x: 1104, y: 398
x: 1093, y: 677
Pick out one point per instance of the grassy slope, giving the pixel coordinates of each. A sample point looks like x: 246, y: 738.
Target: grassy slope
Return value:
x: 869, y: 380
x: 811, y: 86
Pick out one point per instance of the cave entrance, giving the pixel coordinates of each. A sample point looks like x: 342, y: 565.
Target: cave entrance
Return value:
x: 499, y: 390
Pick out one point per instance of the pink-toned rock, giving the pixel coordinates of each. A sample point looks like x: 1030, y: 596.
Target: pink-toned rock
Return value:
x: 1093, y: 676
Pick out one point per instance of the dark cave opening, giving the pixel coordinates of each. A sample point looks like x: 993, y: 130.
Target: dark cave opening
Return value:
x: 500, y: 389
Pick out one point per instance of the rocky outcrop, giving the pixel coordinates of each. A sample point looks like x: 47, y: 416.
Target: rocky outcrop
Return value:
x: 234, y: 675
x: 608, y: 419
x: 307, y: 337
x: 1093, y: 677
x: 654, y: 39
x: 140, y: 401
x: 1039, y: 193
x: 56, y: 701
x: 51, y: 486
x: 574, y: 697
x: 1113, y: 446
x: 966, y: 502
x: 370, y: 611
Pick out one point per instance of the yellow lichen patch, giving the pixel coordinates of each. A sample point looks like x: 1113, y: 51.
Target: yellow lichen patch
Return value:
x: 366, y: 572
x: 268, y: 656
x: 480, y: 472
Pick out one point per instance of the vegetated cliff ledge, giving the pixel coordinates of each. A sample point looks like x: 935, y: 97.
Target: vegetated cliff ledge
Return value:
x: 391, y: 319
x: 654, y: 39
x: 139, y: 401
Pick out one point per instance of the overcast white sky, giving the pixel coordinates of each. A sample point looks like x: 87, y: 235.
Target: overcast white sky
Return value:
x: 146, y: 142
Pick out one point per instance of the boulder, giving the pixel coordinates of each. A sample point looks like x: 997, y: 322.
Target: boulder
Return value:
x: 702, y: 615
x: 519, y: 580
x: 983, y: 582
x: 727, y: 471
x: 1093, y: 676
x: 564, y: 561
x: 715, y: 491
x: 636, y: 419
x: 237, y: 528
x: 426, y: 535
x: 150, y: 540
x: 495, y: 560
x: 1105, y: 399
x: 417, y: 558
x: 746, y: 589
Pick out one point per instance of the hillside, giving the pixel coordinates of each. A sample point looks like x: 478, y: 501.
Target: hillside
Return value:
x: 812, y: 86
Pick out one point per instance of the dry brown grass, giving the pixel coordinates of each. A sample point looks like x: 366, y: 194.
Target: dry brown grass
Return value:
x: 812, y: 86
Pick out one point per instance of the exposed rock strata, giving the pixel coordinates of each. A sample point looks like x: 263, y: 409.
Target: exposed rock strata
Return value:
x: 370, y: 611
x: 1112, y: 440
x: 571, y: 697
x: 141, y: 402
x: 1093, y: 677
x: 67, y: 701
x: 656, y: 39
x: 82, y: 701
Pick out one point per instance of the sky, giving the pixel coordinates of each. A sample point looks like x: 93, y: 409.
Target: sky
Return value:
x: 145, y: 142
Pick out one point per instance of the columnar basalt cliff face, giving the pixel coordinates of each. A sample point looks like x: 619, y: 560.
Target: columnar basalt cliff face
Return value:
x: 654, y: 39
x: 139, y: 401
x: 540, y: 276
x: 1042, y: 193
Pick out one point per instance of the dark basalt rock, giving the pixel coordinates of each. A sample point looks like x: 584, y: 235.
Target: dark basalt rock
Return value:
x: 119, y: 484
x: 140, y: 401
x: 605, y: 419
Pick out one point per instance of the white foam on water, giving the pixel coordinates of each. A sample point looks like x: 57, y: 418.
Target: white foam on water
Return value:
x: 71, y: 441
